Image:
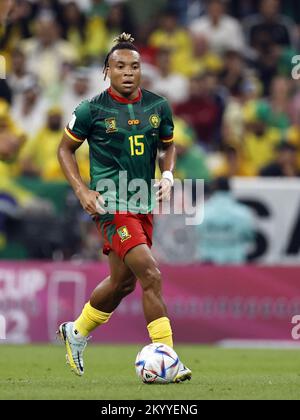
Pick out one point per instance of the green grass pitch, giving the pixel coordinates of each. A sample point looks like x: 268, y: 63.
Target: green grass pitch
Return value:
x: 39, y: 372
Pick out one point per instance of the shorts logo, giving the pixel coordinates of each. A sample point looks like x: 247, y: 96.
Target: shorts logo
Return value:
x: 134, y: 122
x: 111, y: 125
x: 124, y: 234
x: 154, y: 120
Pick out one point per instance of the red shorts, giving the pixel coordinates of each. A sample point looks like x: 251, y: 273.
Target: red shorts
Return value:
x: 122, y: 232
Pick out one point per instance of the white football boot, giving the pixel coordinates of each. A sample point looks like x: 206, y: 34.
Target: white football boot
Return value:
x: 74, y: 345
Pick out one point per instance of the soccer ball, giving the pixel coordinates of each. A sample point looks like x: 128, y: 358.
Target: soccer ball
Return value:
x: 157, y: 363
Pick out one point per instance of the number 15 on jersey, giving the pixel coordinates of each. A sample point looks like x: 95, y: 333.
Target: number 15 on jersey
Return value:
x: 137, y: 147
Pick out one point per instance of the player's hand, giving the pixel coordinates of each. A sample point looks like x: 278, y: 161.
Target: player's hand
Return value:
x: 91, y: 202
x: 164, y: 190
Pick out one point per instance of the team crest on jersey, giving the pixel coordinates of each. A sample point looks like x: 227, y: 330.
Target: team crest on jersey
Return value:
x: 154, y: 120
x: 111, y: 125
x: 124, y: 234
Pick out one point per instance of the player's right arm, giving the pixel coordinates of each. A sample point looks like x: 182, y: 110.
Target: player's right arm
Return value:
x: 74, y: 136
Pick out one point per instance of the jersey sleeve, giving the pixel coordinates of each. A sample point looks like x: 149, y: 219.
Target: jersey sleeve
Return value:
x: 167, y: 125
x: 79, y: 127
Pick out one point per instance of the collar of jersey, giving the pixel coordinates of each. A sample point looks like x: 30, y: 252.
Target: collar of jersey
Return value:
x: 124, y: 100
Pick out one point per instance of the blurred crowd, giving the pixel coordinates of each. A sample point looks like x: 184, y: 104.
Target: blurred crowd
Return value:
x: 225, y: 66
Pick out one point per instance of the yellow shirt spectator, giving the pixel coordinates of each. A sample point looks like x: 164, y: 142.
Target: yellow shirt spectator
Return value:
x: 174, y: 38
x: 190, y: 65
x: 96, y: 37
x: 230, y: 163
x: 259, y: 150
x: 11, y: 141
x: 260, y: 140
x: 200, y: 58
x: 40, y: 154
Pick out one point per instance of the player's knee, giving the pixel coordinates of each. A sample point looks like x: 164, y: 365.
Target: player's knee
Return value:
x: 152, y: 280
x: 127, y: 287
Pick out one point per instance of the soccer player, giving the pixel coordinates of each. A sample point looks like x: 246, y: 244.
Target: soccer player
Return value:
x: 125, y: 127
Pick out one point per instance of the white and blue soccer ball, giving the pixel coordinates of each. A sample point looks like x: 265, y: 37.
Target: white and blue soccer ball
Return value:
x: 157, y: 363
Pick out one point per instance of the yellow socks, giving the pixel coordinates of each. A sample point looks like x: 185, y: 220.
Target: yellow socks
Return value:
x: 90, y: 319
x: 160, y: 331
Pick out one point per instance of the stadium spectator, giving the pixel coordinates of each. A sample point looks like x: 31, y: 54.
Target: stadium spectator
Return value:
x: 173, y: 86
x: 74, y: 26
x: 49, y: 50
x: 118, y: 21
x: 29, y: 108
x: 233, y: 74
x: 272, y: 37
x: 95, y: 45
x: 203, y: 110
x: 12, y: 140
x: 18, y: 26
x: 103, y: 25
x: 230, y: 163
x: 286, y: 163
x: 269, y: 27
x: 18, y: 76
x: 260, y: 139
x: 272, y: 62
x: 276, y: 111
x: 225, y: 237
x: 245, y: 93
x: 39, y: 157
x: 171, y: 36
x: 200, y: 59
x: 76, y: 90
x: 191, y: 160
x: 11, y: 137
x: 223, y: 31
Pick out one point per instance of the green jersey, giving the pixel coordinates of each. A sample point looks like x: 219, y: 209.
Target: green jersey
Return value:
x: 123, y: 138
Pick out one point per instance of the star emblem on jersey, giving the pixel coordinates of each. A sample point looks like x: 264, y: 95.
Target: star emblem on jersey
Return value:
x: 154, y: 120
x: 111, y: 125
x: 124, y: 234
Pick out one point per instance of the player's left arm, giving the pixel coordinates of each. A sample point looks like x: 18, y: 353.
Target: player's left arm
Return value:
x: 167, y: 155
x: 167, y: 161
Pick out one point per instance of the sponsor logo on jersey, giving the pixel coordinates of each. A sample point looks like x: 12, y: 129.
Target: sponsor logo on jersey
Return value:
x: 111, y: 125
x: 155, y: 120
x: 134, y: 122
x: 124, y: 234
